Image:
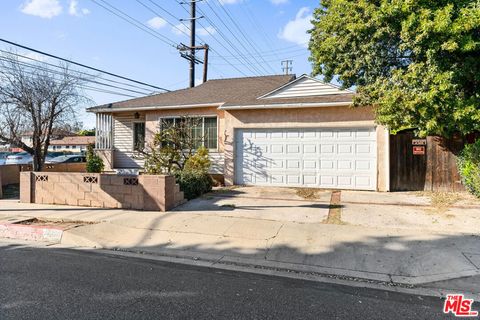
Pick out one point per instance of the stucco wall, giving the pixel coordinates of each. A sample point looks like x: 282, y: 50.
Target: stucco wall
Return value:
x: 281, y: 118
x: 296, y: 118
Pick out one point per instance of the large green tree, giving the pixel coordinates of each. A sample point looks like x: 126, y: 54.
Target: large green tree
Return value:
x: 416, y: 61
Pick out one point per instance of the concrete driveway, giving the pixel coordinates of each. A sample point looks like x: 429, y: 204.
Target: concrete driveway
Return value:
x: 439, y: 212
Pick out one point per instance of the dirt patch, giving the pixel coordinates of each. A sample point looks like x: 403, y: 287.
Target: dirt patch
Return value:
x: 308, y: 193
x: 53, y: 223
x: 442, y: 201
x: 335, y: 210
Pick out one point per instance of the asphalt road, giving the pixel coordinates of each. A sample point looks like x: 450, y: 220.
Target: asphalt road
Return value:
x: 47, y: 283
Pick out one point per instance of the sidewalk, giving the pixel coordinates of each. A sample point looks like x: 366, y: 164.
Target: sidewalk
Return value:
x: 285, y: 234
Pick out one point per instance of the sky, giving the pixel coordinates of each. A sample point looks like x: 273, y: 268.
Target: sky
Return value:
x: 246, y: 37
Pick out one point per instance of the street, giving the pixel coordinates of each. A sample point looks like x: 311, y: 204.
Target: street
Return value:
x: 52, y: 283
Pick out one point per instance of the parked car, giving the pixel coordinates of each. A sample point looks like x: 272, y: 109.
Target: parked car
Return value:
x: 26, y: 158
x: 3, y: 157
x: 68, y: 159
x: 19, y: 158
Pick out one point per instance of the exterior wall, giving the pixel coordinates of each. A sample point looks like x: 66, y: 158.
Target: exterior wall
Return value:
x: 68, y: 148
x: 383, y: 159
x: 101, y: 190
x: 296, y: 118
x: 107, y: 157
x: 124, y: 156
x: 9, y: 174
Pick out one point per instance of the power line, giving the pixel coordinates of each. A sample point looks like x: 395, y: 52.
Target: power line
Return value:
x: 75, y: 71
x: 89, y: 88
x: 138, y: 24
x: 81, y: 65
x: 242, y: 32
x: 236, y: 39
x: 227, y: 40
x: 213, y: 37
x: 157, y: 14
x: 275, y: 60
x: 35, y: 67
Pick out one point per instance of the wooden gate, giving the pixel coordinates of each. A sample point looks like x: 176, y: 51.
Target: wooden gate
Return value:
x: 423, y: 164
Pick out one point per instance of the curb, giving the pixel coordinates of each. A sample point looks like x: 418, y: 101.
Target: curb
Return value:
x: 31, y: 233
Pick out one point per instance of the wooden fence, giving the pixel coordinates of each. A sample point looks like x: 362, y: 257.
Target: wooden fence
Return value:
x: 424, y: 164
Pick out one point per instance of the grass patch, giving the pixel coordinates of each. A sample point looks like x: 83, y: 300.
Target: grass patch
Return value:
x: 441, y: 201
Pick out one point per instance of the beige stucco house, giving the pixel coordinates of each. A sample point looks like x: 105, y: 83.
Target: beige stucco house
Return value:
x: 271, y: 130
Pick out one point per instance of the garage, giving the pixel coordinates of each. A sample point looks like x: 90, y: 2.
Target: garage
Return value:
x: 339, y: 158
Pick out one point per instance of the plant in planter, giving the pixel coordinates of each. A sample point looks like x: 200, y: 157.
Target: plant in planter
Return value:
x: 94, y: 162
x: 177, y: 149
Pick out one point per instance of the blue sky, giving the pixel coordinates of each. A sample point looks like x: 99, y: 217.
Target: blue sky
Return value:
x: 81, y: 30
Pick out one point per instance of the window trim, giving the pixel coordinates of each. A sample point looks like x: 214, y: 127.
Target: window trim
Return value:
x: 160, y: 119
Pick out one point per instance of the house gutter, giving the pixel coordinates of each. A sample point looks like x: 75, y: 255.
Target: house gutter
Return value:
x: 184, y: 106
x: 288, y: 106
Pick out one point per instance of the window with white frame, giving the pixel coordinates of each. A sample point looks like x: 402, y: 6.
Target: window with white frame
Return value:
x: 205, y: 130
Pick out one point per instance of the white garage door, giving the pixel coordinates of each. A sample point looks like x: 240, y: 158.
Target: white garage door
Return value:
x: 343, y: 158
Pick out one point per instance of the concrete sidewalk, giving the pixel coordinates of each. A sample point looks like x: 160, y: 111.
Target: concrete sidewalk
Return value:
x: 286, y: 232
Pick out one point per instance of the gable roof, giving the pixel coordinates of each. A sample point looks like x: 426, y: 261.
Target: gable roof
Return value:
x: 73, y: 141
x: 304, y: 86
x: 232, y: 93
x: 213, y: 92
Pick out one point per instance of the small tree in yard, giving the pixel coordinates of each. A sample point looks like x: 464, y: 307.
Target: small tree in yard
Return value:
x: 38, y: 100
x: 177, y: 150
x: 416, y: 62
x: 94, y: 162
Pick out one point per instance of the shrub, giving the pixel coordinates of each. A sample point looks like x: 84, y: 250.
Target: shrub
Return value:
x: 469, y: 167
x: 199, y: 161
x: 94, y: 162
x: 194, y: 183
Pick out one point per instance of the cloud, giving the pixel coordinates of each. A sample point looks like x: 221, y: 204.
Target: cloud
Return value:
x: 156, y: 23
x: 73, y: 9
x: 296, y: 30
x: 42, y: 8
x: 206, y: 31
x: 277, y: 2
x: 181, y: 29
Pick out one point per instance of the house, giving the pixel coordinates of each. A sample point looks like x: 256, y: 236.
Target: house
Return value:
x: 271, y: 130
x: 74, y: 144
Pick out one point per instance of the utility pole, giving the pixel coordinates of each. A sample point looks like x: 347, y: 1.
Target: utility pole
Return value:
x: 205, y: 63
x: 193, y: 11
x: 193, y: 48
x: 287, y: 66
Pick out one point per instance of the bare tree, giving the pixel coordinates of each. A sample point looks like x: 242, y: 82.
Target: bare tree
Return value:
x: 37, y: 99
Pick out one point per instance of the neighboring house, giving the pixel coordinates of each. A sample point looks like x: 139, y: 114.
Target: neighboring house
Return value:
x: 73, y: 144
x: 27, y: 137
x: 271, y: 130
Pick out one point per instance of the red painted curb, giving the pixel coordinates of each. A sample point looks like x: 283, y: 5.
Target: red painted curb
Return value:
x: 32, y: 233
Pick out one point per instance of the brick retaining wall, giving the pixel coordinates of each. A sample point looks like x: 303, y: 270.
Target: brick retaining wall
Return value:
x: 144, y: 192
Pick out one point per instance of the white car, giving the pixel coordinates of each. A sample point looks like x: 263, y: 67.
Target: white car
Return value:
x: 3, y: 157
x: 19, y: 158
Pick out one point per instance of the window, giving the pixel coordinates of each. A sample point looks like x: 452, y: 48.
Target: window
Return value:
x: 138, y: 136
x: 205, y: 130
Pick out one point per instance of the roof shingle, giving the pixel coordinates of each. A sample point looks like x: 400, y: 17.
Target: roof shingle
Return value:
x: 229, y: 92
